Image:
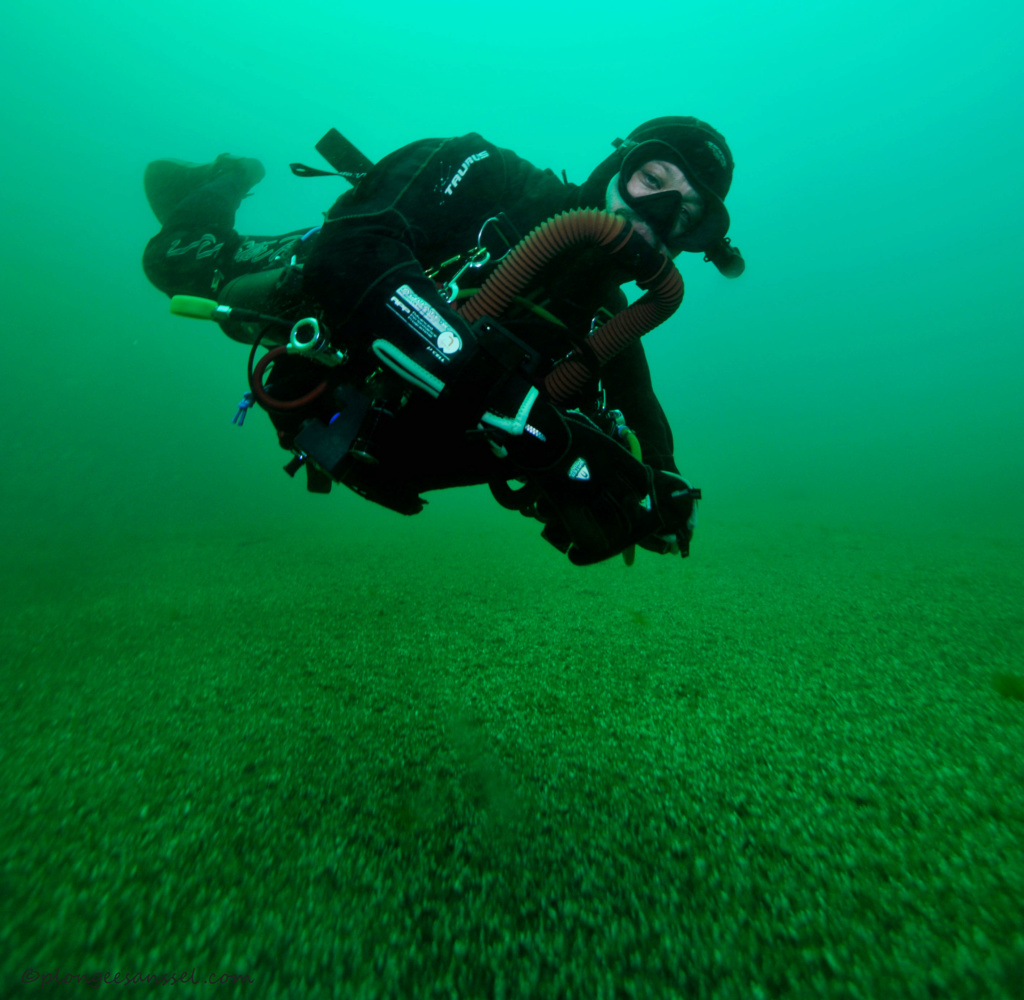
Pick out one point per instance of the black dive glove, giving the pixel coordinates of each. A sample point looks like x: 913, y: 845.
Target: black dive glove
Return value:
x: 593, y: 496
x: 597, y: 499
x: 676, y: 505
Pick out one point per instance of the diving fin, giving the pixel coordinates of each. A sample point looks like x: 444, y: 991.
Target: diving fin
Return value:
x: 168, y: 183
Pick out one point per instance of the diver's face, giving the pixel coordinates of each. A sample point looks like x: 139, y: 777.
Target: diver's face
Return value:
x: 652, y: 177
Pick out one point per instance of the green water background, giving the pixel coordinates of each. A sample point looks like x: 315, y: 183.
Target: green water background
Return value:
x: 866, y: 370
x: 248, y: 729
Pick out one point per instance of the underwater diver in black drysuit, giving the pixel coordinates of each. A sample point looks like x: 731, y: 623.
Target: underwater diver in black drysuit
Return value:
x: 484, y: 402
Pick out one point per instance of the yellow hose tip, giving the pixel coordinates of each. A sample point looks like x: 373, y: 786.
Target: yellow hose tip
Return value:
x: 193, y: 307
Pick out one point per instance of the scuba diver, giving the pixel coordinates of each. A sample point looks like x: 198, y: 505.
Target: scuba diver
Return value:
x: 458, y: 319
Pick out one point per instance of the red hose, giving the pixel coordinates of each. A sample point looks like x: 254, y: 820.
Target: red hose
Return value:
x: 653, y: 271
x: 256, y: 383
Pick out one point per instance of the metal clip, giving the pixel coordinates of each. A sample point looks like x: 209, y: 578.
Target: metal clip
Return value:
x: 496, y: 222
x: 599, y: 319
x: 477, y: 258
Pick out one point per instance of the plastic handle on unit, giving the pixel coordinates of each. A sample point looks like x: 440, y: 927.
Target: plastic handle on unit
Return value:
x: 193, y: 307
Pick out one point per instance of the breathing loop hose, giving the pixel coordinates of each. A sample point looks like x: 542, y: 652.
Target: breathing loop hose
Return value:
x: 653, y: 271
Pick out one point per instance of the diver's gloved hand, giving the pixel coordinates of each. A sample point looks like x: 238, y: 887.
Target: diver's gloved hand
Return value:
x: 597, y: 499
x: 676, y: 503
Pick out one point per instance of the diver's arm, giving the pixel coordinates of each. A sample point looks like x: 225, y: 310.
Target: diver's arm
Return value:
x: 627, y: 381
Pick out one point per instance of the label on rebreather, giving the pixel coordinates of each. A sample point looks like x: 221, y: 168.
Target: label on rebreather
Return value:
x: 420, y: 316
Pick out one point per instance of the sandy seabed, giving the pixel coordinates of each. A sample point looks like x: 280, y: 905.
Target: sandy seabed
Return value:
x: 790, y: 766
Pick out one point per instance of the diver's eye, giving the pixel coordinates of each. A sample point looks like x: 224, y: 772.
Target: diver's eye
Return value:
x: 650, y: 179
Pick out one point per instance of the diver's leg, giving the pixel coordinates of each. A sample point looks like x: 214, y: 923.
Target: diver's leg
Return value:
x: 196, y: 248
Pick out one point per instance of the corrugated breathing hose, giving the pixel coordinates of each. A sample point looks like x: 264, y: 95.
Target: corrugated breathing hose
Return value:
x: 653, y: 271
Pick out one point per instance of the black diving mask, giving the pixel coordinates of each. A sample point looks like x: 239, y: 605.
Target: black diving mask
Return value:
x: 660, y: 210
